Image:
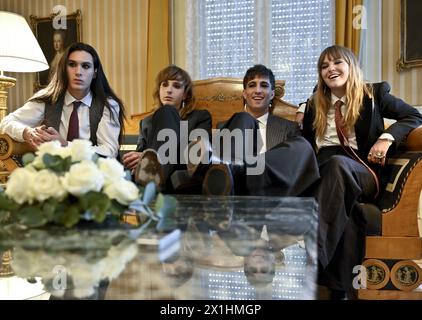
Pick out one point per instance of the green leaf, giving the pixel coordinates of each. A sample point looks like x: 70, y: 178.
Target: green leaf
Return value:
x: 149, y: 192
x: 27, y: 158
x: 54, y: 163
x: 159, y: 203
x: 96, y: 203
x: 168, y: 208
x: 66, y: 164
x: 117, y: 208
x: 32, y: 216
x: 7, y: 204
x: 67, y: 215
x: 4, y: 215
x: 49, y: 208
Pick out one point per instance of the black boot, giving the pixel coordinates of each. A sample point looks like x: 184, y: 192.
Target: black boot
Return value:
x: 224, y: 179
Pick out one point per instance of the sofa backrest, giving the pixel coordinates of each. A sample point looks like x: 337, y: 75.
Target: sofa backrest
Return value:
x: 222, y: 97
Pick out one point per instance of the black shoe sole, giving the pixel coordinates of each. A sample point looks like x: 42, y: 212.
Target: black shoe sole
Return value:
x: 218, y: 181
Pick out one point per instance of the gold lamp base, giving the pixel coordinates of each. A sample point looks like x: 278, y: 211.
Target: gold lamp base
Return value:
x: 5, y: 83
x: 5, y: 267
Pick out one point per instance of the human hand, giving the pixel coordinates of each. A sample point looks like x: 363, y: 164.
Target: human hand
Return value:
x: 34, y: 136
x: 131, y: 159
x: 378, y: 151
x: 299, y: 119
x: 51, y: 134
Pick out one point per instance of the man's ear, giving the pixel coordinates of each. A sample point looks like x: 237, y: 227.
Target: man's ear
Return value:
x: 95, y: 74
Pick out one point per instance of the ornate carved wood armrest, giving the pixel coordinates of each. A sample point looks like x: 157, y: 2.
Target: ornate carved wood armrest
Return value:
x: 8, y: 149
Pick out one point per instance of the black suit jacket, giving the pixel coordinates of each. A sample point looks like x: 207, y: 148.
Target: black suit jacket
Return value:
x: 278, y: 130
x: 196, y: 119
x: 370, y: 124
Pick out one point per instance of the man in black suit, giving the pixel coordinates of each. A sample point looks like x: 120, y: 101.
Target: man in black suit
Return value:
x: 288, y: 164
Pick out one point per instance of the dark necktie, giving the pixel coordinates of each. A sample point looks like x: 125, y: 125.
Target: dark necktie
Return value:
x: 340, y: 126
x: 73, y: 130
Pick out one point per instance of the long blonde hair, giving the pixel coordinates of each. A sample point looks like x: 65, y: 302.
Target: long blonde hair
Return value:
x: 356, y: 89
x: 173, y: 72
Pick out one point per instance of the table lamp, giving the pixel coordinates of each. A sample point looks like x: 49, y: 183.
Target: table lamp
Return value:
x: 19, y: 52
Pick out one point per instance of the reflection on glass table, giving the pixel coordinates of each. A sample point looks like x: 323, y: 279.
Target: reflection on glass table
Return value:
x: 15, y: 288
x: 223, y: 248
x: 231, y: 248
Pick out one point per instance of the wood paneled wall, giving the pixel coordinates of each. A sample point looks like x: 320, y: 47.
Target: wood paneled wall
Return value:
x: 118, y: 29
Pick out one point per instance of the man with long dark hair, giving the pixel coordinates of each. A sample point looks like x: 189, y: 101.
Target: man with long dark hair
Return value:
x: 78, y: 103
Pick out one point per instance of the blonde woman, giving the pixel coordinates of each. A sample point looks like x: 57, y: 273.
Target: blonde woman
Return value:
x: 346, y: 176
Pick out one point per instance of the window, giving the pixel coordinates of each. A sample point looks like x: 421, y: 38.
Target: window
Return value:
x: 285, y: 35
x: 229, y: 33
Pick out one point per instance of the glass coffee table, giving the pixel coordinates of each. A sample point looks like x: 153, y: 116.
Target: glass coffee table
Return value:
x: 232, y: 248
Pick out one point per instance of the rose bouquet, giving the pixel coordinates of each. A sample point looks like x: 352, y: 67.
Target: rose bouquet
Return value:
x: 57, y: 189
x: 63, y: 185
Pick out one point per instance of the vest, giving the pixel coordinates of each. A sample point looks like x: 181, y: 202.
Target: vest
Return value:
x: 53, y: 114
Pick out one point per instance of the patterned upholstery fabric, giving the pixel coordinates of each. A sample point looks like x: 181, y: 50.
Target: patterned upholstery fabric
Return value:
x: 394, y: 176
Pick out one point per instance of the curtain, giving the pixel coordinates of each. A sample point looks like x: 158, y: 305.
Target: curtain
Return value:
x: 158, y: 56
x: 348, y: 30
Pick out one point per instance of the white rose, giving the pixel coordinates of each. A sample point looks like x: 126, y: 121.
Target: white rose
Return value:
x: 51, y: 147
x: 47, y: 185
x: 123, y: 191
x: 65, y: 152
x: 81, y: 150
x: 112, y: 169
x: 82, y: 178
x: 18, y: 186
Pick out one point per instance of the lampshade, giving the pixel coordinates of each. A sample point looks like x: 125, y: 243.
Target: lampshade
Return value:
x: 19, y: 50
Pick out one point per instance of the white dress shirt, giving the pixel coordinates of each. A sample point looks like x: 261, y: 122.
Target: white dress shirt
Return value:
x: 262, y: 122
x: 31, y: 114
x: 331, y: 138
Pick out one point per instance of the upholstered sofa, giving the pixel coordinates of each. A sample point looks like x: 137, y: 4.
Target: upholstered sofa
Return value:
x: 394, y: 242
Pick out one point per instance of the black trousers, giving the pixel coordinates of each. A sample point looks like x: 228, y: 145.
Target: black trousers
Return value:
x: 165, y: 117
x: 290, y: 168
x: 342, y: 226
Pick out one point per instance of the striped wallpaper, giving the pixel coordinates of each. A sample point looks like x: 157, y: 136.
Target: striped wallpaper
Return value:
x: 405, y: 84
x: 116, y: 28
